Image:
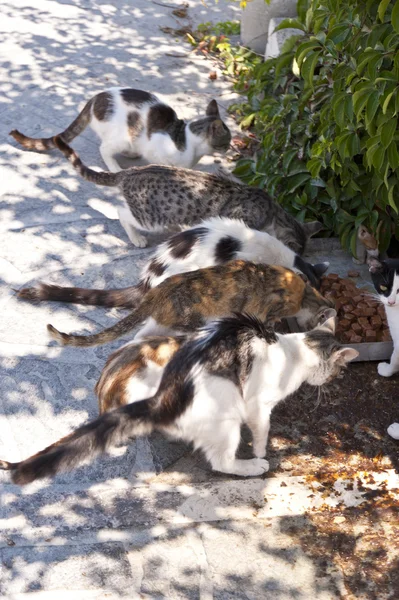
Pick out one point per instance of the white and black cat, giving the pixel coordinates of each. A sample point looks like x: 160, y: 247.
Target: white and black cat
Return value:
x: 213, y: 242
x: 231, y: 372
x: 136, y: 123
x: 385, y: 276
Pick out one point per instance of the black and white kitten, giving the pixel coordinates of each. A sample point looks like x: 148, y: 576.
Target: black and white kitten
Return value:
x: 385, y: 276
x: 136, y: 123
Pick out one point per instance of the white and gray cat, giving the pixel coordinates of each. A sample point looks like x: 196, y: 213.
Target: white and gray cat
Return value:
x: 136, y: 123
x: 159, y: 197
x: 233, y: 371
x: 385, y: 276
x: 213, y: 242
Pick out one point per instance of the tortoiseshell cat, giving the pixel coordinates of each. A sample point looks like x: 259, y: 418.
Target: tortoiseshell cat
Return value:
x: 212, y: 242
x: 157, y: 197
x: 136, y: 123
x: 233, y: 371
x: 188, y: 301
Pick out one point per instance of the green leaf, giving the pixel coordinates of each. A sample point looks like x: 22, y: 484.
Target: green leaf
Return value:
x: 390, y: 198
x: 339, y: 33
x: 393, y: 155
x: 290, y: 24
x: 386, y: 102
x: 288, y: 156
x: 360, y: 99
x: 378, y: 158
x: 247, y: 122
x: 296, y: 181
x: 353, y: 242
x: 387, y: 132
x: 314, y: 166
x: 395, y: 17
x: 364, y: 59
x: 303, y: 49
x: 302, y: 7
x: 339, y: 111
x: 383, y: 5
x: 308, y: 67
x: 353, y: 145
x: 372, y: 107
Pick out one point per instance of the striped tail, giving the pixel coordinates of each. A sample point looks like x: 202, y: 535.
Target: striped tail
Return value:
x: 126, y: 297
x: 107, y: 335
x: 87, y: 442
x: 70, y: 133
x: 99, y: 177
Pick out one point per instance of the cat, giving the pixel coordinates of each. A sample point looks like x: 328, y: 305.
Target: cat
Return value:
x: 137, y: 123
x: 134, y: 371
x: 385, y: 277
x: 233, y: 371
x: 187, y: 301
x: 212, y: 242
x: 157, y: 197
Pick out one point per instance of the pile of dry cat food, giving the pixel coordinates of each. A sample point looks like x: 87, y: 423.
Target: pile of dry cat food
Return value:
x: 360, y: 317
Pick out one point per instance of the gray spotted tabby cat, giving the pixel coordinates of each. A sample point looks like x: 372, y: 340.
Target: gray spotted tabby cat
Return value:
x: 136, y: 123
x: 157, y: 197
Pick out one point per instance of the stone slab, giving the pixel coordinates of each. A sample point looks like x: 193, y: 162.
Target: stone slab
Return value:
x: 256, y: 17
x: 276, y: 39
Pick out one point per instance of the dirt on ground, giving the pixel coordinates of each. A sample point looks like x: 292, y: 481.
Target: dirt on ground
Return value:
x: 342, y: 434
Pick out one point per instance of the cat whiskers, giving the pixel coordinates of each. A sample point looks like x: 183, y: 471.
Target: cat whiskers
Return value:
x: 373, y: 296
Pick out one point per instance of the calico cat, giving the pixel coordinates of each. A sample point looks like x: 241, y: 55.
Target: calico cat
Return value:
x: 185, y: 302
x: 231, y: 372
x: 212, y: 242
x: 157, y: 197
x: 134, y: 371
x: 136, y: 123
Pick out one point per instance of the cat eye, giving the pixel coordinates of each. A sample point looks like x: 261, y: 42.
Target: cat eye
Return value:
x: 383, y: 288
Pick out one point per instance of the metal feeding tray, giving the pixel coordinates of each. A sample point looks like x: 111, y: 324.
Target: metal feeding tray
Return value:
x: 368, y: 351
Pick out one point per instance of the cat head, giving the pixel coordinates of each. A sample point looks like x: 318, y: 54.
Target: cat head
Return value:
x: 311, y: 273
x: 385, y: 276
x: 314, y: 307
x: 212, y: 129
x: 328, y: 356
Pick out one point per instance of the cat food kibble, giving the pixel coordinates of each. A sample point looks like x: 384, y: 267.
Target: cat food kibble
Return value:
x: 360, y: 318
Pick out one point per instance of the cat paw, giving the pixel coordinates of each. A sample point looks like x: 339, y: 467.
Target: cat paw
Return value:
x: 255, y: 466
x: 260, y: 451
x: 384, y: 369
x: 393, y: 431
x: 139, y: 240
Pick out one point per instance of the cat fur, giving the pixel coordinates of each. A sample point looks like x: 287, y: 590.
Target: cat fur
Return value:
x: 187, y: 301
x: 136, y: 123
x: 233, y: 371
x: 212, y: 242
x: 158, y: 197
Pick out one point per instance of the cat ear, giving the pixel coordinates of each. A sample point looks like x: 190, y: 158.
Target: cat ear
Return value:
x: 312, y: 227
x: 374, y: 265
x: 320, y: 268
x: 326, y: 319
x: 344, y: 355
x: 217, y: 128
x: 212, y: 109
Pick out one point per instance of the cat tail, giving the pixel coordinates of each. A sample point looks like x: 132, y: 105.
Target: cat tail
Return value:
x: 125, y: 297
x: 99, y: 177
x: 70, y: 133
x: 107, y: 335
x: 86, y: 442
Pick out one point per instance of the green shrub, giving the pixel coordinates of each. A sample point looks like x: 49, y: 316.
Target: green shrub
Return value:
x: 326, y: 114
